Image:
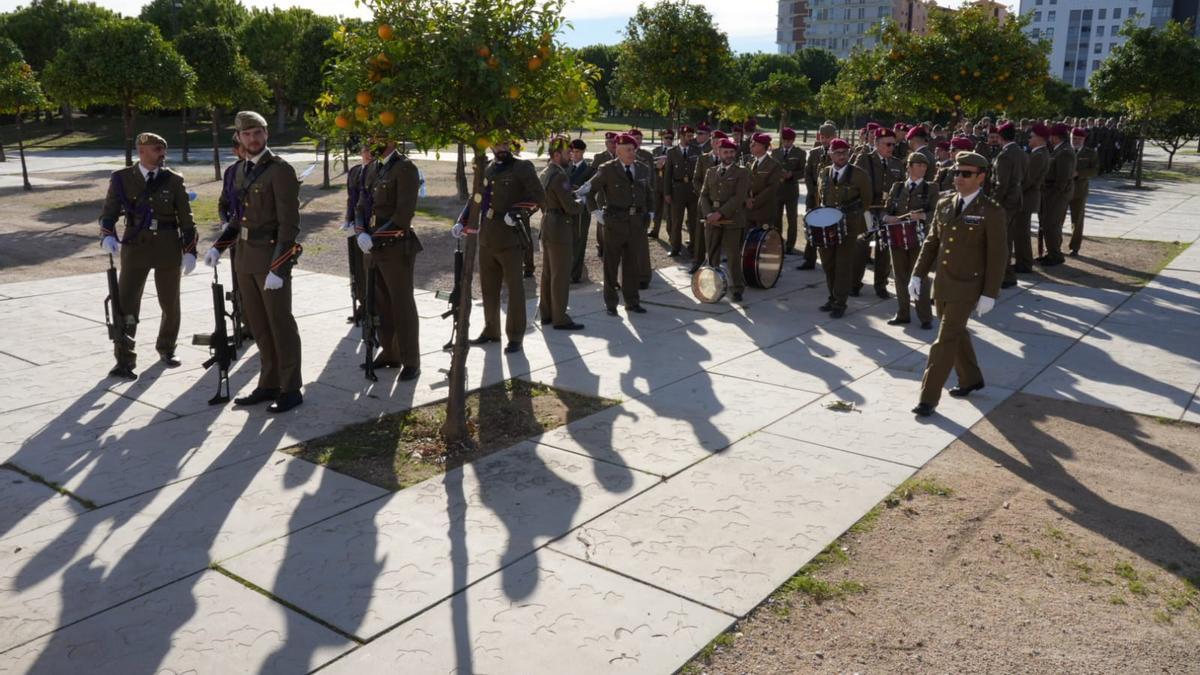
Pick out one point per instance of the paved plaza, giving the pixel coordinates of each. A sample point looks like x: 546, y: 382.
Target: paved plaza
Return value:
x: 621, y: 543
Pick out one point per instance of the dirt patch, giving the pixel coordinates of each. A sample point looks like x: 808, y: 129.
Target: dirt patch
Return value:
x: 403, y: 449
x: 1035, y: 554
x: 1118, y: 264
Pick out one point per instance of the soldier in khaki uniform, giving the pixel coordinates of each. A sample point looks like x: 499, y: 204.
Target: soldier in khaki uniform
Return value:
x: 356, y: 191
x: 159, y: 236
x: 265, y: 233
x: 791, y: 159
x: 660, y: 166
x: 911, y: 199
x: 680, y: 196
x: 1056, y: 194
x: 1087, y: 165
x: 846, y: 187
x: 623, y: 192
x: 510, y: 184
x: 642, y: 246
x: 558, y: 238
x: 608, y: 154
x: 1036, y: 165
x: 917, y: 139
x: 580, y: 171
x: 723, y: 203
x: 882, y: 170
x: 968, y: 245
x: 386, y: 237
x: 703, y: 164
x: 766, y: 177
x: 818, y: 159
x: 704, y: 139
x: 1006, y: 181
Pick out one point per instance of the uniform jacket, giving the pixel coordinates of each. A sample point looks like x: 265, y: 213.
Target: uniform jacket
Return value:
x: 852, y: 194
x: 511, y: 184
x: 791, y: 160
x: 680, y: 170
x: 268, y: 224
x: 558, y: 218
x: 1037, y: 162
x: 724, y: 190
x: 901, y: 200
x: 621, y: 199
x: 881, y: 173
x: 1008, y: 172
x: 818, y: 159
x: 1087, y: 165
x: 165, y: 202
x: 765, y: 179
x: 1060, y: 177
x: 393, y: 184
x: 969, y: 251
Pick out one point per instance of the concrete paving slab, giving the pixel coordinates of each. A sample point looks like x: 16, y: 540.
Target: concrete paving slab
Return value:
x: 187, y: 390
x: 682, y: 298
x: 1008, y: 360
x: 1189, y: 260
x: 818, y: 361
x: 47, y: 426
x: 679, y: 424
x: 207, y: 623
x: 728, y: 531
x: 373, y: 567
x: 881, y: 424
x: 1192, y: 414
x: 574, y: 613
x: 61, y: 573
x: 1054, y: 309
x: 54, y: 285
x: 10, y: 363
x: 26, y: 505
x: 1140, y: 370
x: 57, y: 381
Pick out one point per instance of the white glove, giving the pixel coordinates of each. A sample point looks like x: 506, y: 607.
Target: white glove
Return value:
x: 189, y: 262
x: 652, y: 216
x: 421, y: 192
x: 365, y: 243
x: 584, y: 189
x: 598, y: 216
x: 457, y: 231
x: 274, y: 282
x: 347, y: 229
x: 914, y: 286
x: 984, y: 305
x: 509, y: 220
x: 211, y: 258
x: 110, y: 244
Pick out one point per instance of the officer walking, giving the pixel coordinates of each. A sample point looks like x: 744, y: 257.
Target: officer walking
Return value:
x: 159, y: 237
x: 265, y: 232
x: 969, y: 272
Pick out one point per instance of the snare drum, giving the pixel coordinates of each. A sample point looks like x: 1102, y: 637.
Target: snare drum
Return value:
x: 825, y: 227
x: 709, y: 284
x: 762, y: 258
x: 905, y: 235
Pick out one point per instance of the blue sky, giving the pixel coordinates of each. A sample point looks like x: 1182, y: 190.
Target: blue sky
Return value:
x: 750, y: 24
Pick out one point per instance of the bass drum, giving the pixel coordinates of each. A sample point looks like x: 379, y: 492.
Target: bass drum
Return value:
x: 709, y: 284
x: 762, y: 257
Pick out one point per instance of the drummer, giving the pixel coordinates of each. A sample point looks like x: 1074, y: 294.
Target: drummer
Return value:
x: 912, y: 199
x: 847, y: 188
x: 723, y: 205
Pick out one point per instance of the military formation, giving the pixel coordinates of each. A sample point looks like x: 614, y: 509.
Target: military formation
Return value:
x: 905, y: 200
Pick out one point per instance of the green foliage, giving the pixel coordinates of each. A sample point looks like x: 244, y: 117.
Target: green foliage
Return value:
x: 673, y: 57
x: 40, y: 28
x: 224, y: 78
x: 314, y: 49
x: 174, y: 17
x: 19, y: 88
x: 1146, y: 76
x: 604, y: 59
x: 853, y: 91
x: 121, y: 62
x: 818, y: 65
x: 274, y: 41
x: 473, y: 73
x: 783, y: 93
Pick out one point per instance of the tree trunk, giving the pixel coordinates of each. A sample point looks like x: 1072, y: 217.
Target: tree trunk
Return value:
x: 1141, y: 151
x: 2, y: 157
x: 460, y: 172
x: 216, y: 135
x: 325, y: 146
x: 183, y: 128
x: 1171, y: 158
x: 127, y: 120
x: 68, y: 113
x: 280, y: 112
x: 21, y: 152
x: 345, y: 158
x: 782, y: 119
x: 454, y: 429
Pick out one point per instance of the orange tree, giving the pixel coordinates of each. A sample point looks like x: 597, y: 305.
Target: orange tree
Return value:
x: 968, y: 64
x: 437, y: 73
x: 19, y: 93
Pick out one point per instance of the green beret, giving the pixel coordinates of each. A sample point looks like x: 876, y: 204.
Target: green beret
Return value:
x: 918, y: 158
x: 147, y: 138
x: 248, y: 119
x: 974, y: 159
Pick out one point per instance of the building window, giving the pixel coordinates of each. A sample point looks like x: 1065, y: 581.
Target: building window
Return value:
x: 1068, y: 65
x: 1096, y: 65
x: 1116, y: 13
x: 1039, y: 3
x: 1034, y: 33
x: 883, y: 11
x: 1112, y: 46
x: 862, y: 13
x: 1087, y: 15
x: 1099, y: 31
x: 1050, y: 15
x: 1050, y: 33
x: 1101, y: 13
x: 1037, y: 17
x: 1098, y: 48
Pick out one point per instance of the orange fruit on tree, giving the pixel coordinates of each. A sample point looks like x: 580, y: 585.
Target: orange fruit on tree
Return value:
x: 493, y: 62
x: 514, y: 92
x: 374, y: 76
x: 957, y: 97
x: 483, y: 143
x: 342, y: 122
x: 382, y: 61
x: 361, y: 113
x: 483, y: 51
x: 364, y: 98
x: 535, y: 63
x: 387, y: 118
x: 543, y: 51
x: 385, y: 32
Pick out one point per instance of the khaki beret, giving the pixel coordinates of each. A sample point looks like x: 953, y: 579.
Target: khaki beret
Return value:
x: 248, y: 119
x: 972, y: 159
x: 828, y: 130
x: 147, y: 138
x: 918, y: 158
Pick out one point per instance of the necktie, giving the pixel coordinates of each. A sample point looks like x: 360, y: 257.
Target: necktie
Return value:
x: 249, y: 166
x: 836, y: 174
x: 149, y: 177
x: 911, y: 186
x: 958, y: 206
x: 629, y: 172
x: 721, y: 171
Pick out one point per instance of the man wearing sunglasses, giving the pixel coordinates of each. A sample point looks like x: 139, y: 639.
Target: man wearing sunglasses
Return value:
x: 882, y: 170
x: 968, y: 248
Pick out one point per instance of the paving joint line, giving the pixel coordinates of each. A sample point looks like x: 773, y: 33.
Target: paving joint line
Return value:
x: 86, y: 503
x: 250, y: 585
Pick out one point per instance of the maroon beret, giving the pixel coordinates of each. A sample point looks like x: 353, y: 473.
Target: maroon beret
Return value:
x: 718, y: 134
x: 788, y: 134
x: 751, y: 124
x: 726, y: 143
x: 686, y: 129
x: 1005, y: 127
x: 703, y: 128
x: 915, y: 132
x: 943, y: 145
x: 838, y: 144
x: 884, y: 132
x: 627, y: 139
x: 872, y: 126
x: 1061, y: 130
x: 762, y: 139
x: 635, y: 132
x: 610, y: 135
x: 1040, y: 129
x: 962, y: 143
x: 667, y: 133
x: 1080, y: 132
x: 900, y: 126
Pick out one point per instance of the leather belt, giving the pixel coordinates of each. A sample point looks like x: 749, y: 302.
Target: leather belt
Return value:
x: 249, y: 234
x: 632, y: 210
